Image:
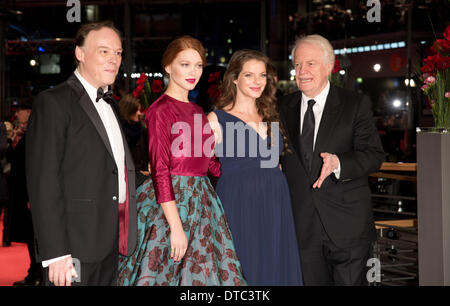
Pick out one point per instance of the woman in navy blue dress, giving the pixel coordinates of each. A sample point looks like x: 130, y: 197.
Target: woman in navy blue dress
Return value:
x: 252, y: 188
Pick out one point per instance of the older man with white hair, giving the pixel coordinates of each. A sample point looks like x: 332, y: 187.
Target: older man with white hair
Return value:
x: 334, y: 146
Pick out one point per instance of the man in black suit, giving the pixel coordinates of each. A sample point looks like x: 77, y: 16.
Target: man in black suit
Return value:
x: 334, y: 146
x: 80, y: 172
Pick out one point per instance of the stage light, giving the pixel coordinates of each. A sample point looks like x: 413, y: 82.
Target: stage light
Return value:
x: 342, y: 72
x: 33, y: 62
x: 377, y: 67
x: 293, y: 72
x: 359, y: 80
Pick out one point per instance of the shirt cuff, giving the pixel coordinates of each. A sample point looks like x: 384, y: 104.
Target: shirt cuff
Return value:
x: 46, y: 263
x: 337, y: 172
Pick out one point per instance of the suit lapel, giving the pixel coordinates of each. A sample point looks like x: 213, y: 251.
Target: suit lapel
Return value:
x: 89, y: 108
x: 329, y: 118
x: 293, y: 121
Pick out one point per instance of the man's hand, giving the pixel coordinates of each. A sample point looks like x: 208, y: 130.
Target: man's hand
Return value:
x: 330, y: 163
x: 60, y: 273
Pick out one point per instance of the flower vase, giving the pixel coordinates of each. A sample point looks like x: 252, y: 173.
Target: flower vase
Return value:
x: 433, y: 206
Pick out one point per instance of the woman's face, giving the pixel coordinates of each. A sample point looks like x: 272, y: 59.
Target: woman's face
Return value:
x: 252, y: 79
x: 186, y: 69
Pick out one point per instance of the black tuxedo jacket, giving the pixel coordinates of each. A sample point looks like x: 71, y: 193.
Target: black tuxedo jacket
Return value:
x: 341, y: 206
x: 72, y: 177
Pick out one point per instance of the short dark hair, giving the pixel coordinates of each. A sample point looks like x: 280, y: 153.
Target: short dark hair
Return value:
x: 24, y: 103
x: 84, y: 30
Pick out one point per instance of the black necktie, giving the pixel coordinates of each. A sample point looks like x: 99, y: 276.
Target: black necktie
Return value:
x: 107, y: 96
x: 307, y: 137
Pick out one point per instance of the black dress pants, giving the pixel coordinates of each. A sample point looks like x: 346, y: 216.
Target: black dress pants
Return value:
x: 102, y: 273
x: 325, y: 264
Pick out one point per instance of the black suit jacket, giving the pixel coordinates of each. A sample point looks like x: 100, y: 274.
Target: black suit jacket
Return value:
x: 72, y: 177
x: 343, y: 205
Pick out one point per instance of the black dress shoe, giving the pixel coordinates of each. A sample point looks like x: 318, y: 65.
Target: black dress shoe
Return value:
x: 29, y: 282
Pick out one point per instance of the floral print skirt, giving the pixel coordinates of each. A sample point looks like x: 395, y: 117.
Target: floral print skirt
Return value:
x: 210, y: 258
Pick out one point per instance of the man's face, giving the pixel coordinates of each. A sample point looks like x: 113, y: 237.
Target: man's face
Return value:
x: 311, y: 72
x: 100, y: 57
x: 23, y: 115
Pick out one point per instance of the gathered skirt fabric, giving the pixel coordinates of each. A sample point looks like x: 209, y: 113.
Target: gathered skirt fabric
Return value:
x: 210, y: 259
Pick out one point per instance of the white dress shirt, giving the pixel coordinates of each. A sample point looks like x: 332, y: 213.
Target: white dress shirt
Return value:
x: 318, y: 108
x: 112, y: 128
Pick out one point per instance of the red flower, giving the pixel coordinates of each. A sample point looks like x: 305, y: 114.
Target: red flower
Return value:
x: 441, y: 45
x: 142, y: 79
x: 153, y: 259
x: 138, y: 90
x: 337, y: 65
x: 447, y: 33
x: 232, y: 267
x: 195, y: 269
x: 197, y: 283
x: 223, y: 274
x: 157, y: 86
x: 213, y: 92
x: 213, y: 77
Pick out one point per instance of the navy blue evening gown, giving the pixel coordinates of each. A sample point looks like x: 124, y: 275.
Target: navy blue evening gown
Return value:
x: 257, y: 205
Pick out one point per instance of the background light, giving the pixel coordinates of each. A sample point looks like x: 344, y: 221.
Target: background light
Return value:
x: 33, y: 62
x: 342, y: 72
x: 397, y: 103
x: 376, y: 67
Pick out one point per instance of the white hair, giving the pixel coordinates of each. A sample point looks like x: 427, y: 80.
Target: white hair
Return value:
x: 322, y: 42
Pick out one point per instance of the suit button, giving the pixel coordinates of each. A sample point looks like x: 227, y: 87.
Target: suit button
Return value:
x: 114, y: 198
x: 114, y: 171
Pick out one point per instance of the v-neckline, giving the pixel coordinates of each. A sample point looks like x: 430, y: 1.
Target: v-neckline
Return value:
x: 264, y: 139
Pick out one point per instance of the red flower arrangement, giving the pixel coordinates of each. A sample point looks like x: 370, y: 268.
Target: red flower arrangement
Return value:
x: 436, y: 80
x: 146, y: 93
x: 335, y: 77
x: 214, y: 81
x: 337, y: 65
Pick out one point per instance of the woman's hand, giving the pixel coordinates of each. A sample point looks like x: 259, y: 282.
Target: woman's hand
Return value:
x: 178, y: 244
x: 178, y: 239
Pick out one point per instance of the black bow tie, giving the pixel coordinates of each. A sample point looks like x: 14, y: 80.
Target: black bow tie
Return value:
x: 107, y: 96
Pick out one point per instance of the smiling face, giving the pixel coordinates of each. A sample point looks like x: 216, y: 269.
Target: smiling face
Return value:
x: 252, y: 79
x: 100, y: 57
x: 185, y: 70
x: 311, y: 71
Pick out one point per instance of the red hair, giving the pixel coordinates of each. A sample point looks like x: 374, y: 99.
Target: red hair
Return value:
x: 181, y: 44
